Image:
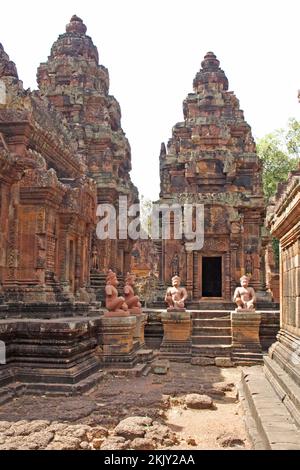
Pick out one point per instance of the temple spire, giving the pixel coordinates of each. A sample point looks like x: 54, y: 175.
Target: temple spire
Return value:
x: 163, y: 151
x: 210, y: 72
x: 76, y: 25
x: 210, y: 62
x: 7, y: 67
x: 74, y: 42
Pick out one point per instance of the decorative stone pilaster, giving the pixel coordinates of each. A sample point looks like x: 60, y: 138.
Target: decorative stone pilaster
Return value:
x: 245, y: 336
x: 118, y: 340
x: 176, y: 342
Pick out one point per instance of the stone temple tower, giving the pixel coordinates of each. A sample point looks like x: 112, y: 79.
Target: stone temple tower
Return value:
x: 211, y: 160
x: 78, y: 87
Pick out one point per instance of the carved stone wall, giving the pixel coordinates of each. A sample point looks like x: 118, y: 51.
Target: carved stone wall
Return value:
x: 48, y: 204
x: 282, y: 365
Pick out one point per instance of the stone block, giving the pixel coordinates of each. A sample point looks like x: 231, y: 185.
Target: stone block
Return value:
x: 203, y: 361
x: 160, y: 367
x: 223, y: 362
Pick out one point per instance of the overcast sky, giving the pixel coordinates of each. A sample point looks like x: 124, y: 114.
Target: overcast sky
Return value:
x: 153, y: 49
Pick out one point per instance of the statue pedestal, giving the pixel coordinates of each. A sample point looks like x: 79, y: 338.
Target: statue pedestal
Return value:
x: 116, y: 313
x: 176, y: 344
x: 118, y: 340
x: 245, y: 337
x: 139, y: 331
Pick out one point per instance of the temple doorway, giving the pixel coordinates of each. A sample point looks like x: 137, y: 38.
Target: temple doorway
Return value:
x: 212, y: 276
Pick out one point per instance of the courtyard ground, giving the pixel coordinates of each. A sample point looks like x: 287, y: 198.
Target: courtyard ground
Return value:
x: 166, y: 420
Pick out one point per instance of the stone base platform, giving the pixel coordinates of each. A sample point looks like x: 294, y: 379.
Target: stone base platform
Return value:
x: 282, y: 369
x: 212, y: 336
x: 268, y: 421
x: 214, y: 305
x: 51, y: 355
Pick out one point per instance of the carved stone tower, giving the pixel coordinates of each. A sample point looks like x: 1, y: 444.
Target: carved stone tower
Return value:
x: 211, y: 160
x: 78, y: 87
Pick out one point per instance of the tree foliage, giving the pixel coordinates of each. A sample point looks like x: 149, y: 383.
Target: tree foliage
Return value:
x: 279, y: 152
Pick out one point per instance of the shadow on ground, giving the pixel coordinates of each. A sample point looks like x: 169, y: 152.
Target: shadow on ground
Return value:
x: 118, y: 397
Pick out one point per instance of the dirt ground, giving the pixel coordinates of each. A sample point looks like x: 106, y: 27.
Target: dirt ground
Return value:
x: 37, y: 422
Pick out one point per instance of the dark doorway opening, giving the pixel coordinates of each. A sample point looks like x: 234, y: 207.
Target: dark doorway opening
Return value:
x: 212, y: 276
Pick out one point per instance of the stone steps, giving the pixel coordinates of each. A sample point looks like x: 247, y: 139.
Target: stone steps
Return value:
x: 211, y: 331
x: 11, y: 391
x: 212, y: 340
x: 176, y: 357
x: 210, y: 314
x: 268, y: 421
x: 210, y: 305
x: 247, y: 358
x: 285, y: 387
x: 211, y: 323
x: 211, y: 350
x: 98, y: 282
x: 137, y: 371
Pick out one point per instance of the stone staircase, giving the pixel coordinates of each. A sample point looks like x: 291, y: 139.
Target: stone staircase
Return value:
x: 211, y: 333
x: 98, y: 282
x: 246, y: 358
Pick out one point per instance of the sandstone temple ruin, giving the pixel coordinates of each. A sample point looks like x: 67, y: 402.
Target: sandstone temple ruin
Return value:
x: 62, y: 153
x: 211, y: 159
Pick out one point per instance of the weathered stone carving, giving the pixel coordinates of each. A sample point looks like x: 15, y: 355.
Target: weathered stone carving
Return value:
x: 132, y: 300
x: 244, y: 296
x: 176, y: 295
x: 115, y: 305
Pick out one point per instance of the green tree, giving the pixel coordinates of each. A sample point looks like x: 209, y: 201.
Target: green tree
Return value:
x: 293, y: 138
x: 279, y: 152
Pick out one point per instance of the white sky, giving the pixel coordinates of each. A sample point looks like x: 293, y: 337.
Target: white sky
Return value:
x: 153, y: 49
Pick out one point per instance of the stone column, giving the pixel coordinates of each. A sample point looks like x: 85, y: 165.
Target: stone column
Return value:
x: 78, y: 263
x: 227, y: 286
x: 63, y: 260
x: 196, y: 275
x: 189, y: 273
x: 235, y: 274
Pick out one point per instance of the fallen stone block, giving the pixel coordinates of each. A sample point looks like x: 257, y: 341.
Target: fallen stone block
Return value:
x: 160, y: 367
x: 199, y: 402
x: 203, y: 361
x: 223, y: 362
